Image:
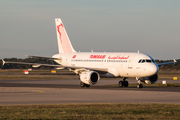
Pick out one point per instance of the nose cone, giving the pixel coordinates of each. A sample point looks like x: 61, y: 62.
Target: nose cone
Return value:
x: 153, y: 69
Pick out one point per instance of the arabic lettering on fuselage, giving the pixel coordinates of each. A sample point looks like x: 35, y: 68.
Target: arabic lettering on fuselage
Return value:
x: 110, y: 57
x: 119, y: 57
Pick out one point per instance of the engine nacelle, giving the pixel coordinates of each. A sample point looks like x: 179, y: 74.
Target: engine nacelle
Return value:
x: 89, y: 77
x: 149, y: 80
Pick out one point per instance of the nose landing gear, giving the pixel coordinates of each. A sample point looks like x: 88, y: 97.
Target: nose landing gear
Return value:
x: 139, y: 83
x: 140, y: 86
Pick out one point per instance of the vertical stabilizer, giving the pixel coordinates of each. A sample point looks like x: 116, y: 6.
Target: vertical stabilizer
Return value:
x: 64, y: 43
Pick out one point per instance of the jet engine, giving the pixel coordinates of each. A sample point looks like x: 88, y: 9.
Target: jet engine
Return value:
x: 89, y: 77
x: 149, y: 80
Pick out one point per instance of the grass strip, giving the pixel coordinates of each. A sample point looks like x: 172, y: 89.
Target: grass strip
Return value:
x: 152, y: 85
x: 168, y: 74
x: 92, y: 111
x: 160, y: 85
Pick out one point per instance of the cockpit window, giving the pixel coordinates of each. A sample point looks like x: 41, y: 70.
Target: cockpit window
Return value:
x: 149, y: 61
x: 145, y: 61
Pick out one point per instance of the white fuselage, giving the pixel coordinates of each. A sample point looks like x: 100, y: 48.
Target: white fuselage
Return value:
x: 119, y: 64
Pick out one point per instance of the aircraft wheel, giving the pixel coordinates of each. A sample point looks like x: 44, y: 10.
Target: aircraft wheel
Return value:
x: 82, y: 84
x: 140, y: 86
x: 121, y: 83
x: 126, y: 84
x: 87, y: 85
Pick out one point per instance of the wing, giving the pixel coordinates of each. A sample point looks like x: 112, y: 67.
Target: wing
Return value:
x: 34, y: 64
x: 42, y: 57
x: 167, y: 63
x: 74, y: 68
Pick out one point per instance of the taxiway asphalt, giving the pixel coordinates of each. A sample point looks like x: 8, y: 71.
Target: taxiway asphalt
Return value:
x: 13, y: 92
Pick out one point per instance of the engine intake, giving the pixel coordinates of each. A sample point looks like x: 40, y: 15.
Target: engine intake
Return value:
x: 149, y: 80
x: 89, y: 77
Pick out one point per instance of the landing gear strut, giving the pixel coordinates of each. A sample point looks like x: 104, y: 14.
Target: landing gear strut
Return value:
x: 84, y: 85
x: 123, y: 83
x: 139, y: 83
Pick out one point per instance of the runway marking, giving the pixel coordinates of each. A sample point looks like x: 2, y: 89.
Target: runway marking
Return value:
x: 39, y: 91
x: 15, y: 92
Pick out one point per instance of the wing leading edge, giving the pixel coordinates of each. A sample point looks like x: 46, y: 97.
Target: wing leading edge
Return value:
x: 43, y: 57
x: 167, y: 63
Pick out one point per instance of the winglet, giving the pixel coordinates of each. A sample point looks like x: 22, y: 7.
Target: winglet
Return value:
x: 175, y: 61
x: 3, y: 62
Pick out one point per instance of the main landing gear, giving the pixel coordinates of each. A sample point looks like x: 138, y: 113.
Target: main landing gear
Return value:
x: 123, y: 83
x: 84, y: 85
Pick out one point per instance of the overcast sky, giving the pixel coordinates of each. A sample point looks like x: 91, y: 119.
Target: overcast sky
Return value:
x: 27, y: 27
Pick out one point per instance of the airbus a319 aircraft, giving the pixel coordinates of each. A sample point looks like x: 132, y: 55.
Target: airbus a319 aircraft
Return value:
x: 91, y: 66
